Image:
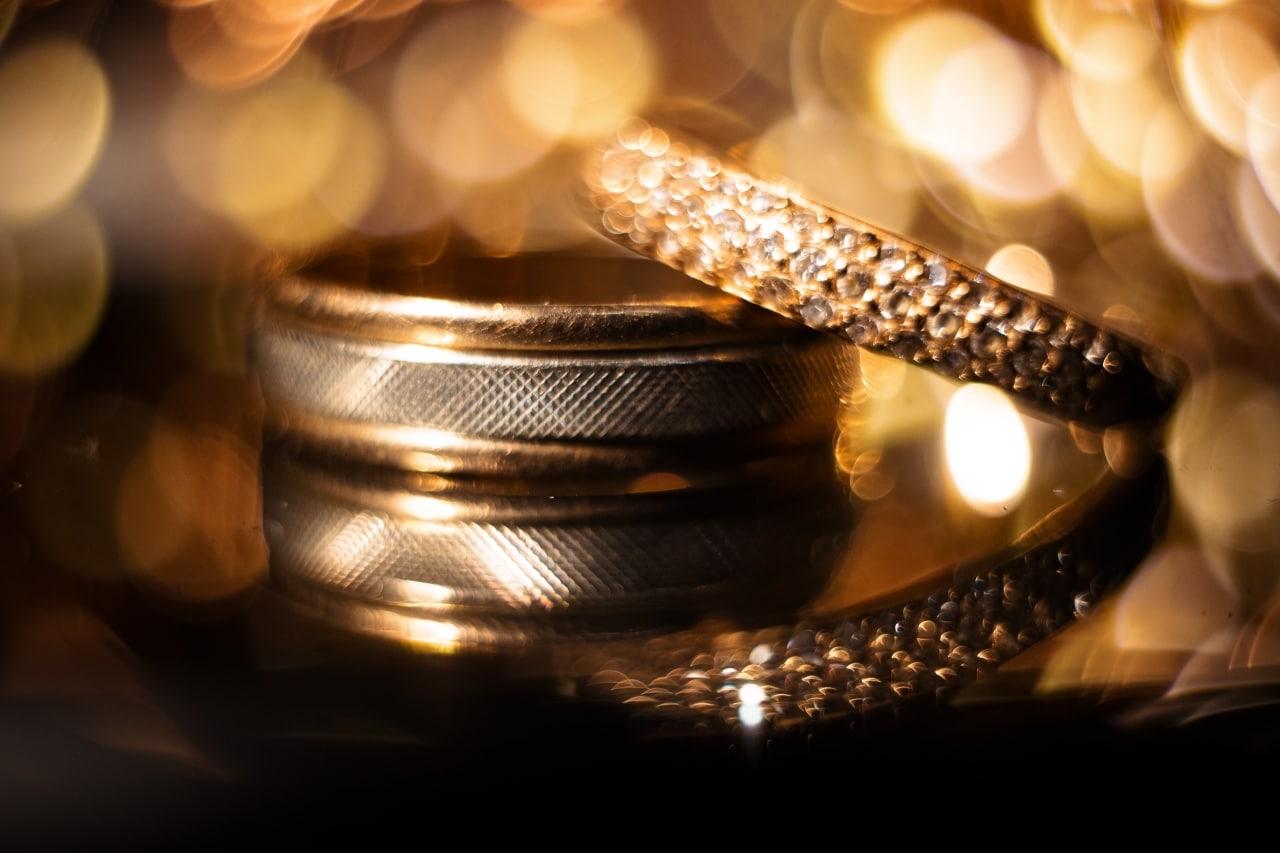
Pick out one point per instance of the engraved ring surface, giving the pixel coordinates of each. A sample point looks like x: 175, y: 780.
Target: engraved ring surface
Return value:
x: 763, y: 241
x: 527, y: 365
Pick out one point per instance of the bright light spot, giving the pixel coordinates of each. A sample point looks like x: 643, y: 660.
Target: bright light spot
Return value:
x: 981, y: 100
x: 1096, y: 42
x: 54, y: 106
x: 1223, y: 59
x: 1115, y: 50
x: 432, y: 633
x: 315, y: 154
x: 812, y: 148
x: 1022, y: 266
x: 1037, y: 164
x: 578, y: 80
x: 1263, y: 135
x: 1182, y: 181
x: 1225, y: 460
x: 1109, y: 198
x: 292, y: 164
x: 751, y: 712
x: 1062, y: 141
x: 987, y: 449
x: 216, y: 49
x: 452, y: 106
x: 954, y: 86
x: 1117, y: 114
x: 53, y: 289
x: 1259, y: 219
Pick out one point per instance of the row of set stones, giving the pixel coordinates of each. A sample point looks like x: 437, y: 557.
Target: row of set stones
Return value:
x: 765, y: 244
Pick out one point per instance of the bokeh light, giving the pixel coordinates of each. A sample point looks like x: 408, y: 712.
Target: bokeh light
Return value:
x: 1226, y: 460
x: 879, y: 184
x: 292, y: 164
x: 1262, y: 135
x: 1045, y: 154
x: 204, y: 41
x: 1022, y: 266
x: 53, y: 289
x: 752, y: 698
x: 988, y: 452
x: 1183, y: 184
x: 1259, y: 220
x: 954, y: 86
x: 577, y: 81
x: 189, y: 516
x: 54, y: 108
x: 451, y: 104
x: 1223, y: 58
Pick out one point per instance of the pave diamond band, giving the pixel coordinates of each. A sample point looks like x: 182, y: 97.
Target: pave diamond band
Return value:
x: 701, y: 213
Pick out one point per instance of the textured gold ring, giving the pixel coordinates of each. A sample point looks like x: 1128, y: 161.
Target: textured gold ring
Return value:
x: 530, y: 364
x: 680, y: 203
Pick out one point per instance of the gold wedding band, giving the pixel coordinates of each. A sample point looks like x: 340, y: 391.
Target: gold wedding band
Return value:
x: 527, y: 365
x: 487, y: 452
x: 677, y: 202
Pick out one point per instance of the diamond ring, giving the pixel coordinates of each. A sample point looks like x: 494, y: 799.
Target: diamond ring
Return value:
x: 680, y: 203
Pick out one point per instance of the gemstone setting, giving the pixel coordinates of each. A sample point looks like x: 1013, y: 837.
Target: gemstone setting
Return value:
x: 764, y: 242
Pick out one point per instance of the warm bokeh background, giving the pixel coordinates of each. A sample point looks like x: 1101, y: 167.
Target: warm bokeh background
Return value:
x: 1123, y: 157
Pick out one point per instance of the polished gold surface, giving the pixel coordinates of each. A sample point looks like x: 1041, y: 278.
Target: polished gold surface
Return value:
x: 540, y: 302
x: 545, y: 362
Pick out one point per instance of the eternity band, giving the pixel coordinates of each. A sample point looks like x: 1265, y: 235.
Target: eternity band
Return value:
x: 679, y: 203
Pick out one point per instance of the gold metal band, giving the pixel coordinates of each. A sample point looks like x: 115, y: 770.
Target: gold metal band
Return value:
x: 471, y: 368
x: 676, y: 201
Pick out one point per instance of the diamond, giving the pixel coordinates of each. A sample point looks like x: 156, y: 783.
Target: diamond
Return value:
x: 764, y: 242
x: 816, y: 312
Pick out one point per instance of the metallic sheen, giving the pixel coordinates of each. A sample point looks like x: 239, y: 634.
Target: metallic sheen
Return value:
x: 497, y: 562
x: 524, y: 365
x: 678, y: 202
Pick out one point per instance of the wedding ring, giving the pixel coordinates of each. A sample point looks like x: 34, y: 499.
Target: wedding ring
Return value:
x: 462, y: 562
x: 538, y: 365
x: 677, y: 202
